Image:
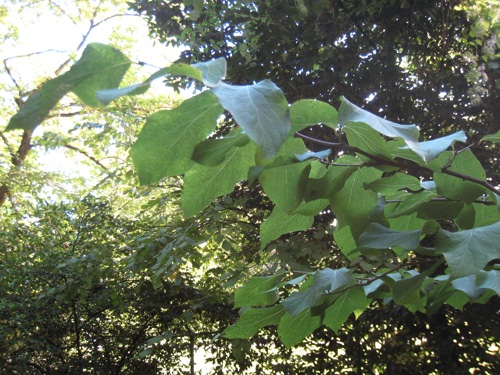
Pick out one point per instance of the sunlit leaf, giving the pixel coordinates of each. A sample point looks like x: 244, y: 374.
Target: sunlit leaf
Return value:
x: 349, y: 112
x: 326, y: 280
x: 261, y: 110
x: 308, y: 112
x: 100, y: 66
x: 168, y: 139
x: 429, y: 150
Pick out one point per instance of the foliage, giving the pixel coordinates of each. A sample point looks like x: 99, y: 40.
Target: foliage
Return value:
x: 377, y: 194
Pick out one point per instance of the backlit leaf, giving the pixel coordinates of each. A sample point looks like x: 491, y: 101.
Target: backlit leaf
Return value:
x: 308, y: 112
x: 353, y: 300
x: 168, y: 139
x: 253, y: 319
x: 258, y: 291
x: 293, y: 329
x: 349, y: 112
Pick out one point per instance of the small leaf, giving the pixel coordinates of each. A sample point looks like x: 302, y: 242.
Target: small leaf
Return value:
x: 258, y: 291
x: 168, y: 139
x: 348, y: 112
x: 279, y: 223
x: 410, y: 203
x: 308, y: 112
x: 377, y: 236
x: 351, y: 301
x: 316, y: 155
x: 253, y: 319
x: 293, y: 329
x: 261, y: 110
x: 467, y: 285
x: 431, y: 149
x: 469, y: 251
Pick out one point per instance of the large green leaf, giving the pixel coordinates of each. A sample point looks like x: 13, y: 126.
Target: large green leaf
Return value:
x: 377, y: 236
x: 366, y: 138
x: 456, y: 188
x: 279, y: 223
x: 349, y: 112
x: 212, y: 152
x: 258, y: 291
x: 353, y: 300
x: 202, y: 184
x: 293, y: 329
x: 429, y: 150
x: 469, y: 251
x: 261, y: 110
x: 308, y: 112
x: 326, y: 280
x: 334, y: 178
x: 409, y: 203
x: 394, y: 183
x: 286, y: 185
x: 168, y: 139
x: 353, y: 203
x: 253, y: 319
x: 99, y: 67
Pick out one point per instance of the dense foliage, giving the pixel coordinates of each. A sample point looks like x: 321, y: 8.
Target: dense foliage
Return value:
x: 355, y: 243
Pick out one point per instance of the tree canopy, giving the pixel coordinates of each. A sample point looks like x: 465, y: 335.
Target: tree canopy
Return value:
x: 292, y: 216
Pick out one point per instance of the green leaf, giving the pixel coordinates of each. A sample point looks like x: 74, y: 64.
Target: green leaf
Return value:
x: 202, y: 184
x: 377, y: 236
x: 334, y: 178
x: 410, y: 203
x: 366, y: 138
x: 258, y: 291
x: 469, y: 251
x: 286, y: 185
x: 293, y: 329
x: 432, y: 149
x: 213, y: 71
x: 212, y: 152
x: 439, y: 210
x: 345, y: 242
x: 456, y: 188
x: 326, y: 280
x: 353, y: 300
x: 168, y: 139
x: 253, y: 319
x: 495, y: 138
x: 489, y: 280
x: 348, y: 112
x: 279, y: 223
x: 260, y: 109
x: 99, y: 67
x: 308, y: 112
x: 353, y: 203
x: 394, y: 183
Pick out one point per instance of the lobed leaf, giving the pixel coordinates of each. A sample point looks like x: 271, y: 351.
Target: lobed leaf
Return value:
x: 293, y: 329
x: 253, y: 319
x: 353, y: 300
x: 258, y: 291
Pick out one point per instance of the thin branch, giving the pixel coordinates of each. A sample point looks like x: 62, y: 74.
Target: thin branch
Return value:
x: 88, y: 156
